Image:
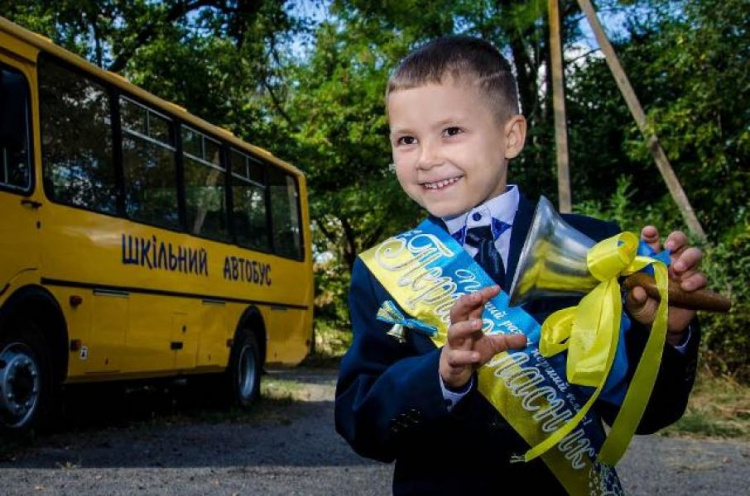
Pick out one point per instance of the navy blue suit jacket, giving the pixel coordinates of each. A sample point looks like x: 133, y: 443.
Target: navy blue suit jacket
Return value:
x: 389, y: 404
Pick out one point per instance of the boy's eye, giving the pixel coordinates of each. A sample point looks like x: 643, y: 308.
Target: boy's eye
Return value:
x: 406, y: 140
x: 452, y: 131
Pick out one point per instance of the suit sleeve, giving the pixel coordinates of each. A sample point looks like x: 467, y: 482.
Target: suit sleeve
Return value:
x: 387, y: 391
x: 674, y: 381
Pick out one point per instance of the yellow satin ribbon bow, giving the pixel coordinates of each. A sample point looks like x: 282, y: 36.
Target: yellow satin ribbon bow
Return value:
x: 590, y: 333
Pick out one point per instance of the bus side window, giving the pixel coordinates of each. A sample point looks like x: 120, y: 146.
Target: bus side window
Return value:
x: 149, y: 165
x: 285, y: 220
x: 77, y: 151
x: 15, y: 166
x: 205, y: 180
x: 249, y: 197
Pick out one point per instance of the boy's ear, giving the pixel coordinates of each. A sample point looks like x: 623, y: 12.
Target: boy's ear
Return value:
x: 515, y: 135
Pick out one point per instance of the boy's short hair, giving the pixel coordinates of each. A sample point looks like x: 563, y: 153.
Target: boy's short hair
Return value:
x: 463, y: 59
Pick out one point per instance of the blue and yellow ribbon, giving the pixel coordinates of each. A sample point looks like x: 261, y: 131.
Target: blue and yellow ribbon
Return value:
x: 390, y: 314
x: 590, y: 334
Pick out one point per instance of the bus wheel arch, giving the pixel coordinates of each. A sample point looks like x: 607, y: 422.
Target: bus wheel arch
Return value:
x: 33, y: 360
x: 247, y: 358
x: 252, y: 321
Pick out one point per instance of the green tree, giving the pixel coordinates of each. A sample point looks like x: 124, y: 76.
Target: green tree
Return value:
x: 218, y: 58
x: 341, y: 139
x: 687, y: 62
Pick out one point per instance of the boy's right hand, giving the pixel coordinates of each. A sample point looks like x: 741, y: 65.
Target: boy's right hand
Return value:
x: 467, y: 347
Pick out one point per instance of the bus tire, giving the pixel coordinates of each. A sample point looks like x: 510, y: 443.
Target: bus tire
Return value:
x: 244, y: 370
x: 26, y: 380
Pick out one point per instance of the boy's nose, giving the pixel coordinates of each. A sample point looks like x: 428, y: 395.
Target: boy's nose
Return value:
x: 429, y: 157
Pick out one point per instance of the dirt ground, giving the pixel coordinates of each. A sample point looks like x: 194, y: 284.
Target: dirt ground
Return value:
x: 150, y: 442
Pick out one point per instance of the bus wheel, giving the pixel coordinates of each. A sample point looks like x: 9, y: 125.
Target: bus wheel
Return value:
x: 25, y: 379
x: 244, y: 370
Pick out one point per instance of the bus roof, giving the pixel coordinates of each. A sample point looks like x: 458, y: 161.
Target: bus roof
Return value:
x: 44, y: 44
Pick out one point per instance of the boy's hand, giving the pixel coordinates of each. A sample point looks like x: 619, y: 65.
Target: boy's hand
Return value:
x: 467, y: 347
x: 684, y: 269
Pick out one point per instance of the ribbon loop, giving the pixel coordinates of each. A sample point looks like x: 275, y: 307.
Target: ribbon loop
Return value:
x: 556, y: 331
x: 608, y: 258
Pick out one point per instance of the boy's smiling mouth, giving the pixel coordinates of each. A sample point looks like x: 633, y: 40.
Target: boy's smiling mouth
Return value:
x: 442, y: 183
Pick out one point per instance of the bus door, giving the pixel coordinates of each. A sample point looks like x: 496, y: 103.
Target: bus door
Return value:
x: 20, y: 223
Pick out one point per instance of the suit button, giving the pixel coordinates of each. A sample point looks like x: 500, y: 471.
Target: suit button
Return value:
x: 496, y: 424
x: 395, y: 426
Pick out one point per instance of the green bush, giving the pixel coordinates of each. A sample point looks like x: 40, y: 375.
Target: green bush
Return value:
x: 726, y: 340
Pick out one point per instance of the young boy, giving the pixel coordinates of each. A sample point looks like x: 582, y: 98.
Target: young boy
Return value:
x: 455, y: 124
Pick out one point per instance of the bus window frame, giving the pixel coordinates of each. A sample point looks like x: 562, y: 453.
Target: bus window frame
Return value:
x: 30, y: 143
x: 266, y: 197
x: 111, y: 93
x: 172, y: 120
x: 175, y: 147
x: 302, y: 239
x: 295, y: 178
x: 223, y: 167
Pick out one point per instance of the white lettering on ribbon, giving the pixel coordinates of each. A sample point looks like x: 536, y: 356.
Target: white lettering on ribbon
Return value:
x: 549, y: 409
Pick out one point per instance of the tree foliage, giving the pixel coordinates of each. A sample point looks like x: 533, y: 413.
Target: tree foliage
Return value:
x: 687, y: 62
x: 218, y: 58
x: 340, y: 138
x: 306, y: 79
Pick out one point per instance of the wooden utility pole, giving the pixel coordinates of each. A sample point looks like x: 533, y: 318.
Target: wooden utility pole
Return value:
x: 662, y: 162
x: 558, y: 104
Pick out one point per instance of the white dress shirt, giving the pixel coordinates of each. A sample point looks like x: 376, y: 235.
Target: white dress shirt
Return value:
x: 502, y: 207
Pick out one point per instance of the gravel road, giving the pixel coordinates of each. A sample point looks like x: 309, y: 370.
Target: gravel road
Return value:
x: 157, y: 444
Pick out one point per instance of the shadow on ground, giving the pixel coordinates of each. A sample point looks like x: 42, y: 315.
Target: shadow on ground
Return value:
x: 173, y: 425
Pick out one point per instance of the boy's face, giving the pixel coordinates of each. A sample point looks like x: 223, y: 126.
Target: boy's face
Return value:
x: 449, y: 149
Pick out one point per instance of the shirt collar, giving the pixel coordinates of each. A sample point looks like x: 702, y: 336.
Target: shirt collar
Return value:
x: 502, y: 207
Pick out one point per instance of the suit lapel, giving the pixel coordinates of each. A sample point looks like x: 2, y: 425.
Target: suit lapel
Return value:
x: 521, y: 224
x: 439, y: 222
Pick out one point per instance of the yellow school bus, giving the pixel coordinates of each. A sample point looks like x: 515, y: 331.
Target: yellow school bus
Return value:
x: 136, y: 240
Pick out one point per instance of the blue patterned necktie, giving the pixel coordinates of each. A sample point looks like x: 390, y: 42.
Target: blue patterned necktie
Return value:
x: 487, y: 255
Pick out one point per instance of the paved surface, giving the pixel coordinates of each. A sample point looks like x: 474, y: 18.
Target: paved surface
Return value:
x: 156, y: 444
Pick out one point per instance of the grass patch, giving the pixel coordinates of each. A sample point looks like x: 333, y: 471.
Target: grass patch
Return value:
x: 331, y: 342
x: 266, y: 410
x: 719, y: 407
x: 273, y: 388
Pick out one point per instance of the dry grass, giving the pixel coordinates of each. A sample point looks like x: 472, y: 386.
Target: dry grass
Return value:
x: 719, y: 407
x: 272, y: 388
